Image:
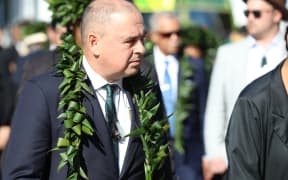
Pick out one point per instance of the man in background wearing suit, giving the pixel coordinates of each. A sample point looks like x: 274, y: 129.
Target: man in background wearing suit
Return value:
x: 112, y: 33
x: 166, y: 58
x: 236, y: 65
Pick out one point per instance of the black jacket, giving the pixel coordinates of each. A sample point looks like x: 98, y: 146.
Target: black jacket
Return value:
x: 257, y: 137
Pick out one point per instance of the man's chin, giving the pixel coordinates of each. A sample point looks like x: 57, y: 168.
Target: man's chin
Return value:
x: 132, y: 71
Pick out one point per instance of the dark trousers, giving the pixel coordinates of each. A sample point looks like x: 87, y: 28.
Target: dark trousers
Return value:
x: 188, y: 166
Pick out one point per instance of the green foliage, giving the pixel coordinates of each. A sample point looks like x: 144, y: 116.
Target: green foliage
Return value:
x: 151, y: 132
x: 199, y: 36
x: 67, y: 12
x: 76, y: 123
x: 204, y: 39
x: 183, y: 105
x: 74, y: 116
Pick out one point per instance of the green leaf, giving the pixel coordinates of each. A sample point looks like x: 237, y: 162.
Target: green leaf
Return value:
x: 86, y: 88
x: 64, y: 156
x: 62, y: 116
x: 62, y: 142
x: 61, y: 165
x: 68, y: 124
x: 77, y: 117
x: 83, y: 174
x: 87, y: 130
x: 136, y: 132
x: 67, y: 73
x: 73, y: 105
x: 86, y: 123
x: 73, y: 49
x: 77, y: 129
x: 72, y: 176
x: 66, y: 89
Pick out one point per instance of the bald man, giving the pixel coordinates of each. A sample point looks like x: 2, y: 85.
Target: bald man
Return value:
x: 112, y: 34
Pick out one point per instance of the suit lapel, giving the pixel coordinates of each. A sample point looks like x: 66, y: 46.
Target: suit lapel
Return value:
x: 101, y: 137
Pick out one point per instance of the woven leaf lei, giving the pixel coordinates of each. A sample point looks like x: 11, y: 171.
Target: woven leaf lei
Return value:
x: 183, y: 105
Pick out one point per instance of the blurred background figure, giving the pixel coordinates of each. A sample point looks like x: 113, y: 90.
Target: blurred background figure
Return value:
x: 8, y: 58
x: 180, y: 88
x: 54, y: 32
x: 35, y: 40
x: 238, y: 34
x: 199, y: 43
x: 236, y: 65
x: 43, y: 60
x: 1, y: 37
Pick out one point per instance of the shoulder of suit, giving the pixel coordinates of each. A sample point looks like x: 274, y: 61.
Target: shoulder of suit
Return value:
x: 49, y: 77
x: 235, y: 45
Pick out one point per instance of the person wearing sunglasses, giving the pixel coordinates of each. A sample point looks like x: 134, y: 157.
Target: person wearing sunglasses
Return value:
x: 257, y: 134
x: 236, y: 65
x: 166, y: 58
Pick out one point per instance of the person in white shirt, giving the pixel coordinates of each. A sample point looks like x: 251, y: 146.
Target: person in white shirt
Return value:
x: 236, y: 65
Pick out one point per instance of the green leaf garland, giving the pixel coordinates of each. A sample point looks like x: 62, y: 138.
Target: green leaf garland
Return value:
x: 183, y: 106
x: 151, y: 132
x: 76, y: 123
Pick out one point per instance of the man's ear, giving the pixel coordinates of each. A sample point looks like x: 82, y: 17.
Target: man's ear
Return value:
x: 278, y: 15
x: 93, y: 43
x: 153, y: 37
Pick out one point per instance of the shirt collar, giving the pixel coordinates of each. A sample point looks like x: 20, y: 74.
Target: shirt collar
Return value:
x: 96, y: 80
x: 276, y: 41
x: 161, y: 57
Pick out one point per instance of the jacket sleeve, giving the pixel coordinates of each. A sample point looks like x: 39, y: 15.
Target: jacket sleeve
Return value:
x: 243, y: 142
x: 215, y: 121
x: 28, y: 149
x: 202, y: 88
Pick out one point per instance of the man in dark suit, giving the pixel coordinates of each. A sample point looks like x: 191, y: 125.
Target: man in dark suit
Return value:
x: 110, y: 58
x: 166, y: 57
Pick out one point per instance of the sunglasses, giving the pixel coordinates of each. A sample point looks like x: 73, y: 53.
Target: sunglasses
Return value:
x: 169, y: 34
x: 256, y: 13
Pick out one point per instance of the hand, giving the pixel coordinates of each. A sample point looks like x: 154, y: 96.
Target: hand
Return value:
x: 4, y: 135
x: 213, y: 166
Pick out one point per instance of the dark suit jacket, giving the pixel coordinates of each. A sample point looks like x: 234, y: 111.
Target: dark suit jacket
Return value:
x: 36, y: 128
x: 193, y: 126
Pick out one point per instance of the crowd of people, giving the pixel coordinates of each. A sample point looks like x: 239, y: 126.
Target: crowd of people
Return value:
x: 227, y: 122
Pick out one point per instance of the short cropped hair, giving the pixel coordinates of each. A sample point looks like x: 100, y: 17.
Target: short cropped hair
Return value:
x: 153, y: 21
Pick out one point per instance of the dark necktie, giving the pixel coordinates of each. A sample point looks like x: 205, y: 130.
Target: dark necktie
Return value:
x: 112, y: 119
x: 263, y: 61
x: 167, y: 94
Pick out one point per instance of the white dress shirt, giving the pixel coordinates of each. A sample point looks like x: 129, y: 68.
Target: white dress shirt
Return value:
x: 275, y: 52
x: 122, y: 107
